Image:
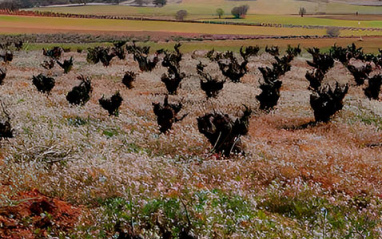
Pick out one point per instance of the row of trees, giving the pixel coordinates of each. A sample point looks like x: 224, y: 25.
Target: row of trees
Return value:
x: 237, y: 12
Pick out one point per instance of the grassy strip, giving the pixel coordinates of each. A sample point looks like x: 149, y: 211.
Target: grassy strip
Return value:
x: 369, y: 44
x: 304, y: 21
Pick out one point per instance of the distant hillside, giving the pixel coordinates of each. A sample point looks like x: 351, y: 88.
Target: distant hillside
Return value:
x: 33, y: 3
x: 201, y: 8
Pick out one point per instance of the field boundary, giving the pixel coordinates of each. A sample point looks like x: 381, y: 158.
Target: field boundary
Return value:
x: 94, y: 38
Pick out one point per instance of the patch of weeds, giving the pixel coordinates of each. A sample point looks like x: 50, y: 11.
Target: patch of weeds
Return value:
x: 117, y: 209
x: 365, y: 116
x: 134, y: 148
x: 302, y: 209
x: 202, y: 213
x: 163, y: 217
x: 27, y: 131
x: 362, y: 227
x: 166, y: 216
x: 110, y: 132
x: 370, y: 118
x: 201, y: 200
x: 321, y: 217
x: 236, y: 213
x: 78, y: 121
x: 117, y: 213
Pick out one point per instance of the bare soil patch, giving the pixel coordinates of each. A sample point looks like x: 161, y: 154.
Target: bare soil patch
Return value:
x: 42, y: 212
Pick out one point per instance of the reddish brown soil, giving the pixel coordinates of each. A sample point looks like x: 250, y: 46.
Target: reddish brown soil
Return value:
x: 33, y: 214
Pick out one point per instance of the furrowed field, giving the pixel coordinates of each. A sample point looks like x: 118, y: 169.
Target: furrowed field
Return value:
x: 123, y: 178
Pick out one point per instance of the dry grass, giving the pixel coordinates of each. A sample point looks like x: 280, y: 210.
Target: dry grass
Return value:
x: 278, y: 189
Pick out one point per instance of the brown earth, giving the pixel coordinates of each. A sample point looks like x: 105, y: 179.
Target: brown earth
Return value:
x: 34, y: 214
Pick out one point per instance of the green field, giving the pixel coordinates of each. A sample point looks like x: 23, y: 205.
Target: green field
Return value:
x: 307, y: 20
x: 369, y: 44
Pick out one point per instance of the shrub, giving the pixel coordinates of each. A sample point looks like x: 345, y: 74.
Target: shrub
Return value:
x: 230, y: 66
x: 180, y: 15
x: 99, y: 53
x: 223, y: 132
x: 302, y: 11
x: 374, y: 87
x: 128, y: 79
x: 55, y: 52
x: 360, y: 74
x: 111, y: 104
x: 220, y: 12
x: 174, y: 76
x: 6, y: 130
x: 211, y: 86
x: 271, y: 84
x: 273, y: 50
x: 167, y: 114
x: 141, y: 55
x: 323, y: 62
x: 240, y: 11
x: 333, y: 32
x: 43, y: 83
x: 249, y: 51
x: 3, y: 74
x: 80, y: 94
x: 67, y: 65
x: 327, y: 100
x: 340, y: 53
x: 160, y: 3
x: 9, y: 5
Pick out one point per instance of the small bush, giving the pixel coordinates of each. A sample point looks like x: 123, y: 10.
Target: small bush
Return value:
x: 3, y: 74
x: 333, y: 32
x: 327, y: 100
x: 9, y: 5
x: 160, y: 3
x: 374, y: 87
x: 302, y: 11
x: 240, y: 11
x: 220, y: 12
x: 180, y: 15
